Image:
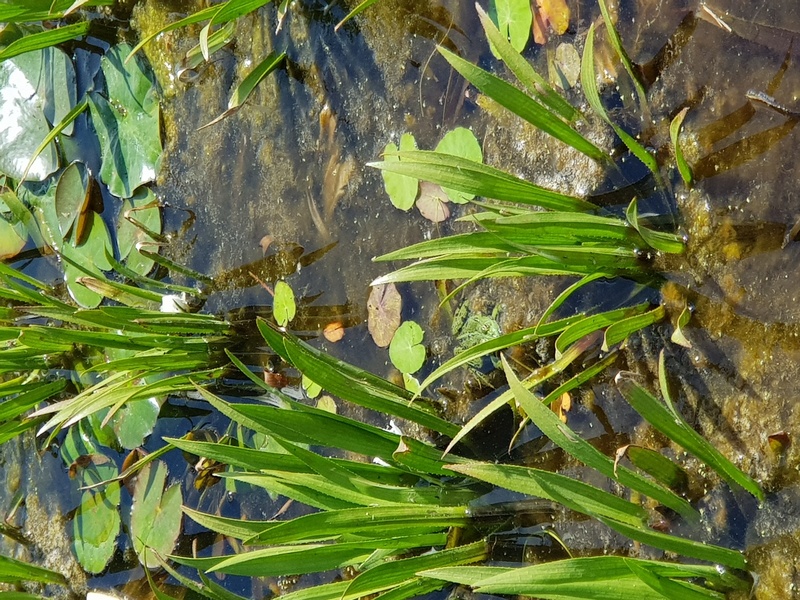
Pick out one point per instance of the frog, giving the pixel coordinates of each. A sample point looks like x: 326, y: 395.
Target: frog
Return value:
x: 470, y: 329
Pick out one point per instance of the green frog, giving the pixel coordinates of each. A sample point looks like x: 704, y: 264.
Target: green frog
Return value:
x: 471, y: 329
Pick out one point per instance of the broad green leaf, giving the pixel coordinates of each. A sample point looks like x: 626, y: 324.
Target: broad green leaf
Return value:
x: 38, y: 90
x: 658, y: 466
x: 672, y: 425
x: 479, y: 179
x: 127, y: 123
x: 402, y: 190
x: 561, y: 435
x: 134, y: 421
x: 13, y: 233
x: 283, y: 304
x: 523, y: 106
x: 458, y: 142
x: 513, y: 19
x: 242, y: 91
x: 96, y: 526
x: 156, y: 514
x: 406, y: 350
x: 72, y: 197
x: 139, y: 221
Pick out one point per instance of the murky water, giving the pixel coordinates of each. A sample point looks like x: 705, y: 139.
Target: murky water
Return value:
x: 272, y: 168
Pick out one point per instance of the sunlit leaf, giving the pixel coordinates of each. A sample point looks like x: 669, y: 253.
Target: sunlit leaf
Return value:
x: 432, y: 202
x: 96, y: 527
x: 72, y: 197
x: 156, y: 513
x: 283, y: 307
x: 139, y: 219
x: 513, y: 18
x: 127, y: 123
x: 242, y: 91
x: 674, y: 135
x: 402, y: 190
x: 134, y: 421
x: 405, y: 351
x: 383, y: 313
x: 459, y: 142
x: 38, y: 90
x: 44, y: 40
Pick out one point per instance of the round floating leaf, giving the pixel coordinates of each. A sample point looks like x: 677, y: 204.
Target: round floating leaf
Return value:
x: 155, y: 515
x: 463, y: 143
x: 514, y: 19
x: 283, y: 307
x: 383, y: 313
x: 402, y: 189
x: 95, y: 528
x: 134, y: 421
x: 406, y: 352
x: 91, y: 255
x: 139, y: 219
x: 72, y: 198
x: 127, y: 125
x: 38, y: 89
x: 432, y: 202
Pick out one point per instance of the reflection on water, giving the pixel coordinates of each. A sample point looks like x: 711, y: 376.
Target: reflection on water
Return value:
x: 290, y: 165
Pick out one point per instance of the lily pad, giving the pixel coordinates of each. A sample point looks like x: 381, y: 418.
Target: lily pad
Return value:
x: 139, y: 219
x: 283, y: 307
x: 406, y: 352
x: 402, y: 189
x: 383, y: 313
x: 134, y: 421
x: 13, y: 233
x: 463, y: 143
x: 127, y: 125
x: 38, y: 89
x: 72, y: 198
x: 95, y: 528
x: 91, y: 255
x: 155, y: 515
x: 514, y: 19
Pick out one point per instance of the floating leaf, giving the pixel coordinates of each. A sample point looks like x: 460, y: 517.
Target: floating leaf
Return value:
x: 155, y: 515
x: 38, y: 89
x: 127, y: 124
x: 513, y: 18
x: 463, y: 143
x: 383, y: 313
x: 72, y: 199
x: 432, y: 202
x: 95, y: 528
x: 553, y: 15
x: 13, y: 233
x: 139, y: 221
x: 402, y: 189
x: 283, y: 307
x: 405, y: 351
x: 242, y: 91
x: 134, y: 421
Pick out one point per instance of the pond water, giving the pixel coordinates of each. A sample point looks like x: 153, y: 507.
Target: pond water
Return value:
x: 291, y: 164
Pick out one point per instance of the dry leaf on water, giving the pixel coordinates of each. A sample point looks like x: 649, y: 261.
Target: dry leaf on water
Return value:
x: 333, y: 331
x: 432, y: 202
x: 383, y: 313
x: 549, y: 16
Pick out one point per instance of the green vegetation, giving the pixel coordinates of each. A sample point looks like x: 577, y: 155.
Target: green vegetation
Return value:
x: 403, y: 516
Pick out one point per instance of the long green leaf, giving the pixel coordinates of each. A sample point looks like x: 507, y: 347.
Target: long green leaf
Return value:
x: 44, y: 39
x: 477, y: 178
x: 525, y: 73
x: 672, y: 425
x: 561, y: 435
x: 665, y: 242
x: 523, y: 106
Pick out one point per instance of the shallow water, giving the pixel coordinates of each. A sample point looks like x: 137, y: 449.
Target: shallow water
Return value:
x: 263, y: 172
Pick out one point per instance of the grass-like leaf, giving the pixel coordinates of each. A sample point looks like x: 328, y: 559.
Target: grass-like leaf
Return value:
x: 672, y: 425
x: 479, y: 179
x: 561, y: 435
x: 680, y: 160
x: 523, y: 106
x: 44, y: 39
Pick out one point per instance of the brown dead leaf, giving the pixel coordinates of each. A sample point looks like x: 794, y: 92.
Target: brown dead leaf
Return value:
x: 265, y: 243
x: 383, y: 313
x: 562, y: 406
x: 550, y: 16
x: 432, y: 202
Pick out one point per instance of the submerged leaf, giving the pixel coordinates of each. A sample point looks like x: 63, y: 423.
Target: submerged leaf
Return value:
x: 383, y: 313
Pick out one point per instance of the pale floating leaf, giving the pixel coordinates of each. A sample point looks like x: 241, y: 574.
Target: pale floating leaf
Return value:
x: 284, y: 307
x: 383, y: 313
x: 432, y: 202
